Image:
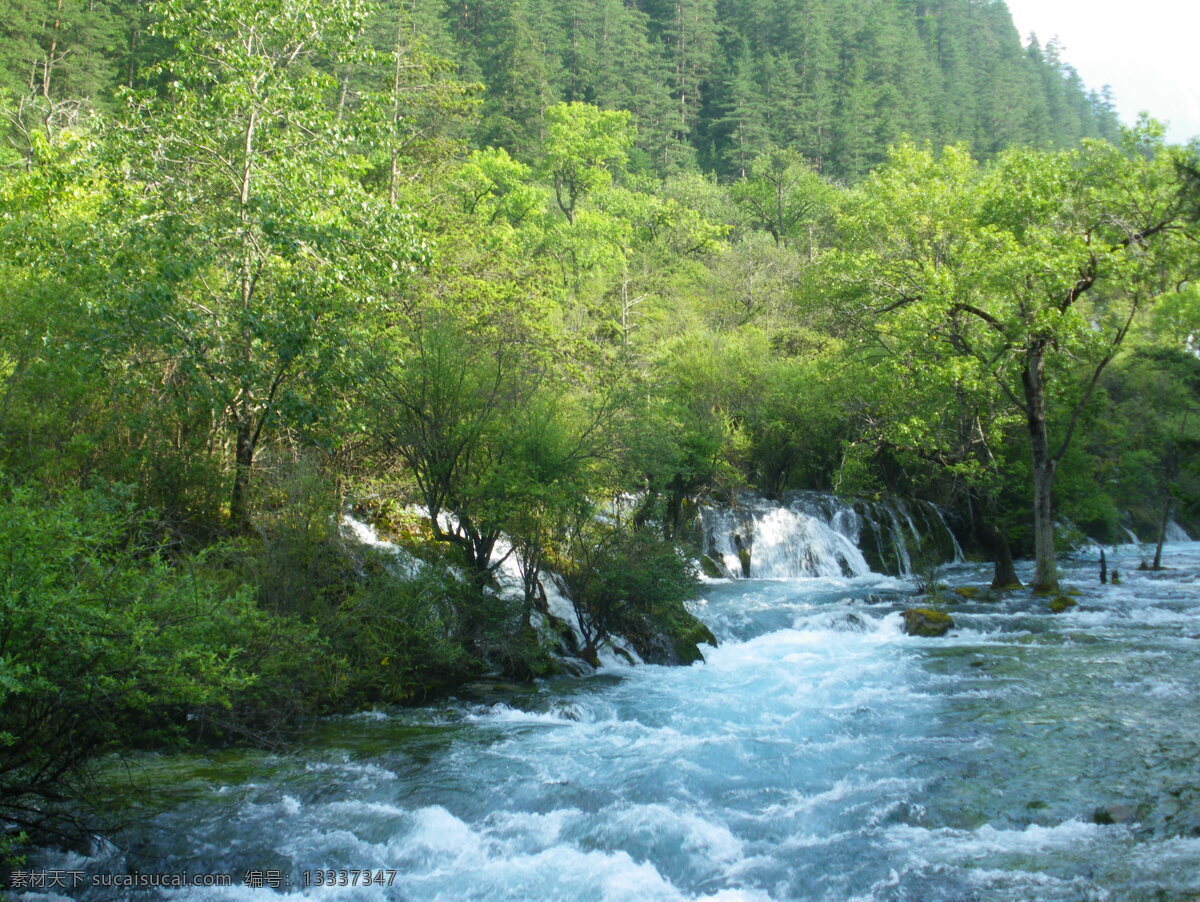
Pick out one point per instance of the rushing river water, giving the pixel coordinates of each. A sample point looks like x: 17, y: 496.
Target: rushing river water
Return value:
x: 818, y: 753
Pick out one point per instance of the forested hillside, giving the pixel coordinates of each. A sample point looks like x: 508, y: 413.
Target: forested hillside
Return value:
x: 709, y: 84
x: 266, y: 263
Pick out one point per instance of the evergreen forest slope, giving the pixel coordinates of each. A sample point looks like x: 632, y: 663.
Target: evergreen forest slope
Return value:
x: 710, y: 84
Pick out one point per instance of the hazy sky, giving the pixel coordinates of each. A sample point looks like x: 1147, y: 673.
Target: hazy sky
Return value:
x: 1145, y: 49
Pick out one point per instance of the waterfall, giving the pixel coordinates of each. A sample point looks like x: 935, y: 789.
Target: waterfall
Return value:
x: 1176, y: 533
x: 817, y: 535
x: 365, y: 534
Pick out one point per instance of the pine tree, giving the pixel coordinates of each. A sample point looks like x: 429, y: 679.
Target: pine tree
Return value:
x: 60, y: 50
x: 744, y: 129
x: 691, y: 38
x: 815, y: 66
x: 520, y: 89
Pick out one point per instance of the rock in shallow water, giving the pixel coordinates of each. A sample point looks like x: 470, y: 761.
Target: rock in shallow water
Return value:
x: 1061, y: 603
x: 927, y: 622
x: 1120, y: 813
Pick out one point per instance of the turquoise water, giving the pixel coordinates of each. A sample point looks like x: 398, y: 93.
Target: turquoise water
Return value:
x: 818, y: 753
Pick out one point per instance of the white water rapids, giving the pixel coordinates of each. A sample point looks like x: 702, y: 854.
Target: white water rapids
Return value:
x: 818, y: 754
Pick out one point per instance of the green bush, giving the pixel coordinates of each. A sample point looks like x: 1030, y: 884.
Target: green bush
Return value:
x: 104, y: 642
x: 402, y: 635
x: 297, y: 558
x: 630, y: 583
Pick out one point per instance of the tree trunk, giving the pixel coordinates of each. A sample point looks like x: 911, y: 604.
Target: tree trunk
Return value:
x: 992, y: 538
x: 1045, y: 578
x: 50, y: 54
x: 645, y: 509
x: 1005, y: 574
x: 1162, y: 532
x: 239, y: 501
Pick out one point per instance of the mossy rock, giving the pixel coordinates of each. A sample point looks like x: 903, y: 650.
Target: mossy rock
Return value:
x: 688, y: 642
x: 1119, y: 813
x: 1061, y: 603
x: 927, y: 622
x: 532, y: 659
x: 1073, y: 593
x: 968, y: 592
x: 710, y: 567
x: 672, y: 637
x: 560, y: 632
x: 744, y: 557
x: 589, y: 655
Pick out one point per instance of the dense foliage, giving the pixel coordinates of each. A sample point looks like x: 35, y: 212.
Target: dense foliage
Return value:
x: 262, y: 261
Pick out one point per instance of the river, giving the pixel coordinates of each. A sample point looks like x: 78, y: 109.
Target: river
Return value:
x: 818, y: 753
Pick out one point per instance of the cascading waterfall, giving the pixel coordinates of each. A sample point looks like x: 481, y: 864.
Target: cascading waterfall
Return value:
x: 819, y: 535
x: 365, y: 534
x: 1176, y: 533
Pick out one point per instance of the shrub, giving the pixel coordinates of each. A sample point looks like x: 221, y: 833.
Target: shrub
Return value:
x: 102, y: 639
x: 630, y: 583
x: 402, y: 635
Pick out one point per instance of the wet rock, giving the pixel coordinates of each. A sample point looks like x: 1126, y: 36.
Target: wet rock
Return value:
x: 1061, y: 603
x: 710, y: 567
x: 744, y: 558
x: 672, y: 637
x: 687, y: 643
x: 852, y: 623
x: 968, y: 592
x: 589, y: 654
x: 1118, y: 813
x: 927, y: 622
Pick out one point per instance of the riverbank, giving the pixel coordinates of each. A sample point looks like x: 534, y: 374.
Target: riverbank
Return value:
x: 112, y: 641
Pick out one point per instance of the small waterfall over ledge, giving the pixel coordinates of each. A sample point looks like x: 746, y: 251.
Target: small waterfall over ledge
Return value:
x: 1176, y: 533
x: 811, y: 534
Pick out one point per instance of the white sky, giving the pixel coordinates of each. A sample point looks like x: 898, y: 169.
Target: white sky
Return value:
x: 1145, y: 49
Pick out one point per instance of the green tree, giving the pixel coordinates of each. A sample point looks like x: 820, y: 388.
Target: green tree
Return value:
x: 782, y: 195
x: 583, y: 146
x: 267, y: 250
x: 1033, y: 270
x: 438, y: 398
